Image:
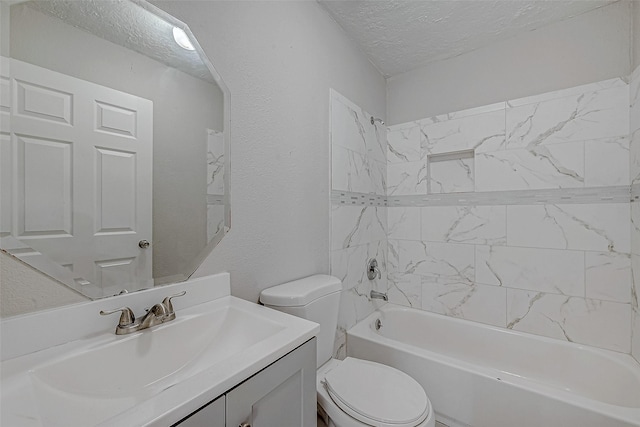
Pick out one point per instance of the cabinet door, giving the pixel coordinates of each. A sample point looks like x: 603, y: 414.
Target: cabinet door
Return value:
x: 211, y: 415
x: 281, y: 395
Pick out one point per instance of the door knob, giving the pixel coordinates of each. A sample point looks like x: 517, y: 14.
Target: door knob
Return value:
x: 144, y: 244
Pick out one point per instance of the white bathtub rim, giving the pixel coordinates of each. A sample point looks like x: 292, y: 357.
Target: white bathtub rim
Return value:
x: 364, y: 330
x: 618, y: 356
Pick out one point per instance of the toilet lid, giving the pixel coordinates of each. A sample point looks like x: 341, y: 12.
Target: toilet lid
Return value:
x: 377, y: 394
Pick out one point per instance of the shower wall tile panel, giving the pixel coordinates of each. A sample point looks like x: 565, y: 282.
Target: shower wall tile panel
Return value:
x: 351, y: 128
x: 349, y: 266
x: 561, y: 270
x: 635, y: 309
x: 405, y: 145
x: 407, y: 179
x: 498, y: 106
x: 543, y: 270
x: 606, y: 162
x: 635, y: 228
x: 470, y: 301
x: 554, y: 166
x: 405, y: 289
x: 353, y: 171
x: 602, y: 227
x: 483, y: 225
x: 596, y: 163
x: 358, y: 233
x: 634, y: 158
x: 452, y: 176
x: 608, y: 276
x: 480, y: 132
x: 634, y: 171
x: 569, y: 92
x: 584, y: 116
x: 440, y: 261
x: 356, y: 225
x: 585, y: 321
x: 404, y: 223
x: 634, y: 102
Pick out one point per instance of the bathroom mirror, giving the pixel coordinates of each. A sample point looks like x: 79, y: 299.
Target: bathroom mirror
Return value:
x: 114, y: 144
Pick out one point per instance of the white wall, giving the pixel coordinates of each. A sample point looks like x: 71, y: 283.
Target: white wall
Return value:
x: 25, y: 289
x: 279, y: 60
x: 591, y: 47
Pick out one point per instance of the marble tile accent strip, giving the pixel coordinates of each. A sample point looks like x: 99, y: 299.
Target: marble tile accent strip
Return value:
x: 612, y: 194
x: 357, y: 199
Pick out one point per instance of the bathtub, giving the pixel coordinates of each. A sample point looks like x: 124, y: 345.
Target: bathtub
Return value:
x: 483, y: 376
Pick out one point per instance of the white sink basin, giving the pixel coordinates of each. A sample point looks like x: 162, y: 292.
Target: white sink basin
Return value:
x: 141, y: 364
x: 153, y: 377
x: 104, y: 380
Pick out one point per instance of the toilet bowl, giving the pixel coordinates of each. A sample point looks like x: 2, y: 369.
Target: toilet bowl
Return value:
x: 351, y: 392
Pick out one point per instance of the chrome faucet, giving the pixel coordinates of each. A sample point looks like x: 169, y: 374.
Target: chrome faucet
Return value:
x: 156, y: 315
x: 379, y: 295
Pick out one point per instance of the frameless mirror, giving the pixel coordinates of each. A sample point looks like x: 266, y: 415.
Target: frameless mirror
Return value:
x: 114, y: 144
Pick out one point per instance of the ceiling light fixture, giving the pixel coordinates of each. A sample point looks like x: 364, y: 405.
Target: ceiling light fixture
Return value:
x: 182, y: 39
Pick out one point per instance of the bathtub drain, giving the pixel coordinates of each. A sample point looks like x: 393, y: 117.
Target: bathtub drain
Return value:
x: 378, y: 324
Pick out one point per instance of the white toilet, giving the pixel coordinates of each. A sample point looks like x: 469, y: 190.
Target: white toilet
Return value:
x: 351, y: 392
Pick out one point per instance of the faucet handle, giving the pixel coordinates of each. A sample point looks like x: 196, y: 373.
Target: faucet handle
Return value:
x: 126, y: 318
x: 167, y: 303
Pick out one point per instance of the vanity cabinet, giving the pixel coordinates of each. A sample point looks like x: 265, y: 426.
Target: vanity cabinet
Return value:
x: 282, y: 394
x: 210, y: 415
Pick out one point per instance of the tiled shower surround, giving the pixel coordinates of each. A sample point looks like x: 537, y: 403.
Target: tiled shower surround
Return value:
x: 634, y: 161
x: 515, y: 214
x: 358, y: 232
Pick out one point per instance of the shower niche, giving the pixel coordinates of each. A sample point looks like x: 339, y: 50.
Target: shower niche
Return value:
x: 452, y: 172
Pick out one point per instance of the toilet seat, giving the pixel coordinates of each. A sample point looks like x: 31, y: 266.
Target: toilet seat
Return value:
x: 376, y: 394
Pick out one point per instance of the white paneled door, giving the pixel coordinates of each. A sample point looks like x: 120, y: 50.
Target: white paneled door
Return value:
x: 81, y: 177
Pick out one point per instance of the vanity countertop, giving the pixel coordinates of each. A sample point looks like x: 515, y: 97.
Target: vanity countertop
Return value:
x: 27, y: 401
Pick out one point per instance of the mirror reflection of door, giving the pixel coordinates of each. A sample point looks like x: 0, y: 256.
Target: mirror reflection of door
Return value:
x: 80, y: 177
x: 127, y: 52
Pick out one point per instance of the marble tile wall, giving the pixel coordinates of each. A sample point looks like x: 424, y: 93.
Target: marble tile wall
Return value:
x: 634, y: 162
x: 215, y: 182
x: 558, y: 270
x: 358, y: 232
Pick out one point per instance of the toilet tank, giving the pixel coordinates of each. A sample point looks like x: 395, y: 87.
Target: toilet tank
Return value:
x: 315, y: 298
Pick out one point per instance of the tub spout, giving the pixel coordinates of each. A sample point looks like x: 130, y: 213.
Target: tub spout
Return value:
x: 379, y: 295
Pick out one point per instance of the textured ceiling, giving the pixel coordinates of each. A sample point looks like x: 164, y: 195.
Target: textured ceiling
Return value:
x: 129, y: 25
x: 401, y: 35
